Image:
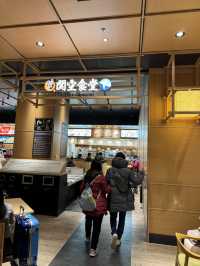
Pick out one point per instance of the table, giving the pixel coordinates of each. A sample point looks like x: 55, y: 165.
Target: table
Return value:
x: 15, y: 204
x: 190, y: 244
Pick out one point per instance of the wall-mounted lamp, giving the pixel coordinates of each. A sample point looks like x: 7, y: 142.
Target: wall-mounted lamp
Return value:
x: 184, y: 103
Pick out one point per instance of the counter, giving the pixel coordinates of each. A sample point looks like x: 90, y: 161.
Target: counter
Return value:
x: 46, y: 185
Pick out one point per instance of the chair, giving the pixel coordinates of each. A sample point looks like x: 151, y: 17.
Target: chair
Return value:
x: 2, y: 228
x: 184, y: 256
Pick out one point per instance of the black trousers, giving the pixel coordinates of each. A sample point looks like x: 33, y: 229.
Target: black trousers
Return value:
x: 93, y: 225
x: 117, y: 229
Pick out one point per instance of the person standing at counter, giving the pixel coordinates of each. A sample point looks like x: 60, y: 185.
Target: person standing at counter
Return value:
x: 89, y: 157
x: 95, y: 179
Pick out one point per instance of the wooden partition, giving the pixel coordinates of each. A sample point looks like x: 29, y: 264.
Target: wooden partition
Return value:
x: 173, y: 163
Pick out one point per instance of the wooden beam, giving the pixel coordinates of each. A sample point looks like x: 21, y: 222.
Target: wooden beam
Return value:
x: 173, y: 72
x: 33, y: 67
x: 170, y: 61
x: 138, y: 77
x: 185, y: 88
x: 68, y: 76
x: 135, y: 106
x: 30, y: 101
x: 9, y: 68
x: 142, y: 24
x: 8, y: 83
x: 97, y: 97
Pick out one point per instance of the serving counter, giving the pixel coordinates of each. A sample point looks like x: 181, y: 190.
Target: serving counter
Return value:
x: 46, y: 185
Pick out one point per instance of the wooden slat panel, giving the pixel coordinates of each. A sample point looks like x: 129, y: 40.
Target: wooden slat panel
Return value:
x: 174, y: 197
x: 173, y: 163
x: 167, y: 223
x: 174, y: 155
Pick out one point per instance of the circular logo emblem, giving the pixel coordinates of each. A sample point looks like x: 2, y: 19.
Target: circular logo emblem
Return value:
x: 105, y: 85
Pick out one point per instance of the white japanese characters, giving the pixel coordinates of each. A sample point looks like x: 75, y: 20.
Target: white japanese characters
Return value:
x: 72, y: 86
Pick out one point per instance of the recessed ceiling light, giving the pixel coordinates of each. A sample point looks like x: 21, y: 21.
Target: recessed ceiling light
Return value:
x: 105, y: 39
x: 39, y: 44
x: 180, y: 34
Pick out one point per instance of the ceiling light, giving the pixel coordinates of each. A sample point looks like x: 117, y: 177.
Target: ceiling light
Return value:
x: 105, y: 39
x: 39, y: 44
x: 180, y: 34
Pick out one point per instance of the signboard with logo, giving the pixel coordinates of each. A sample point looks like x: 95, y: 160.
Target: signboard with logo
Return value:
x: 81, y: 86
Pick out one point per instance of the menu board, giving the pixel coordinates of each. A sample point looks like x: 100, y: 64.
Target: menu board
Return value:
x: 105, y: 133
x: 7, y: 129
x: 129, y: 133
x: 79, y: 132
x: 97, y: 133
x: 42, y: 138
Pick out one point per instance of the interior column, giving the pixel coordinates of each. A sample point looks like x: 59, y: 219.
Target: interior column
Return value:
x: 26, y: 115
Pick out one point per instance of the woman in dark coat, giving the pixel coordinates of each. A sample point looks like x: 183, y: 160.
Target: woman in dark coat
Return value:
x: 121, y: 198
x: 100, y: 188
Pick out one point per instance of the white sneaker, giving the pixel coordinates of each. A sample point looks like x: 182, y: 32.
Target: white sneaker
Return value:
x: 114, y: 241
x: 92, y: 253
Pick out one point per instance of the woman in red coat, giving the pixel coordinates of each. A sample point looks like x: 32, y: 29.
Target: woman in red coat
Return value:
x: 100, y: 188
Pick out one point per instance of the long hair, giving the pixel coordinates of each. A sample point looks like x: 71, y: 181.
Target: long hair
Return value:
x: 96, y: 165
x: 95, y: 169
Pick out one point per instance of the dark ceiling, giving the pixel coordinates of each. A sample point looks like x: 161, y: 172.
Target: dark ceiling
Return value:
x: 102, y: 64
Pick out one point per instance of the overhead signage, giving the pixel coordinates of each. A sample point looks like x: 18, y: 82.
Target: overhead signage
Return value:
x: 73, y: 87
x: 128, y: 133
x: 7, y: 129
x: 79, y: 132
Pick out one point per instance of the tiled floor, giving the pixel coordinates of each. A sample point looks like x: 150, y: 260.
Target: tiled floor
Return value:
x: 75, y: 251
x: 55, y: 232
x: 148, y: 254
